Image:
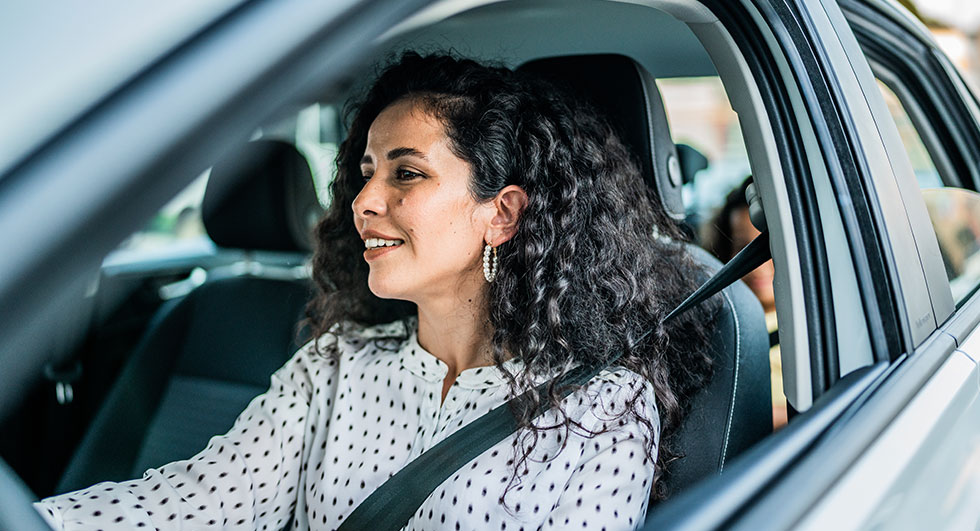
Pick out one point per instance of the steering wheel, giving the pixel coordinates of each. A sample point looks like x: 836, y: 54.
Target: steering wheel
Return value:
x: 15, y: 503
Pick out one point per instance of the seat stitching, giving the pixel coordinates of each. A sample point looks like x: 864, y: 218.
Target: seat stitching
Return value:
x: 731, y: 406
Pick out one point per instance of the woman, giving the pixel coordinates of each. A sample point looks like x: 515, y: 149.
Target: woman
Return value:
x: 517, y: 236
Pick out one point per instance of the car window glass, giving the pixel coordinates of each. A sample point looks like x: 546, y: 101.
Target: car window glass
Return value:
x: 701, y: 116
x: 955, y: 215
x: 925, y: 170
x: 316, y: 131
x: 954, y: 212
x: 177, y: 228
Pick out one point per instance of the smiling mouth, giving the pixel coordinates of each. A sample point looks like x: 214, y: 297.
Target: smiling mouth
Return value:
x: 376, y: 247
x: 379, y: 243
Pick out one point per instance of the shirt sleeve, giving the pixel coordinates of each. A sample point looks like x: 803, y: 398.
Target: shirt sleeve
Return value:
x: 247, y: 478
x: 610, y: 487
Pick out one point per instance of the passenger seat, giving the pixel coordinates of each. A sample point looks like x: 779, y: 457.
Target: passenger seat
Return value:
x: 205, y: 355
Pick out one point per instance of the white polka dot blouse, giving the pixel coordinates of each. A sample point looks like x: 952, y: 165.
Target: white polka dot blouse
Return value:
x: 332, y: 429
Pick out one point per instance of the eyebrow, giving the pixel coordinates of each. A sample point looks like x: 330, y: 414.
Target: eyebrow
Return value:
x: 397, y: 152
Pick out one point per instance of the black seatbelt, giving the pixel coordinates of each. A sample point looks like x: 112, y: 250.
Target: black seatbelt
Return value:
x: 750, y: 257
x: 773, y: 338
x: 392, y: 504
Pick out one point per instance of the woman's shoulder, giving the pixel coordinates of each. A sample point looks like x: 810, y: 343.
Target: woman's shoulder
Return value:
x: 339, y: 350
x: 615, y: 394
x: 620, y: 382
x: 347, y: 338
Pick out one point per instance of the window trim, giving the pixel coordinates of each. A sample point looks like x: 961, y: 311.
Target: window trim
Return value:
x: 919, y: 285
x: 910, y: 57
x: 924, y: 128
x: 910, y: 61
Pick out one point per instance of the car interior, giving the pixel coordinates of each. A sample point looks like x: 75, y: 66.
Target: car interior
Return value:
x: 165, y: 347
x: 217, y: 345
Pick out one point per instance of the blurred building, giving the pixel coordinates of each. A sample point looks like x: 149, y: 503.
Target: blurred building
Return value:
x: 955, y: 24
x: 961, y: 48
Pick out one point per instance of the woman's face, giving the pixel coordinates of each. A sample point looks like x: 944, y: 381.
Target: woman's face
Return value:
x: 423, y: 231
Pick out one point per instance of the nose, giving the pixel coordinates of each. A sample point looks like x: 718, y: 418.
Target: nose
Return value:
x: 371, y: 200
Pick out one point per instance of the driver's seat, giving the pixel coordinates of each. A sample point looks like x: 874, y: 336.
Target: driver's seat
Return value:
x: 734, y: 410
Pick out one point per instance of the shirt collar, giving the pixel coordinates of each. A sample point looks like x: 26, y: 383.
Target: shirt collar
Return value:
x: 419, y: 361
x: 425, y: 365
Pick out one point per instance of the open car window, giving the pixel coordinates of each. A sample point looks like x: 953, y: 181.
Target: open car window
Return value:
x: 702, y: 118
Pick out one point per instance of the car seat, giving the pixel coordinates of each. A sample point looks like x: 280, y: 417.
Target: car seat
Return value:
x: 734, y: 410
x: 206, y: 354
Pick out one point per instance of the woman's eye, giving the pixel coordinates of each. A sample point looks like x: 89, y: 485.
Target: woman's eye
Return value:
x: 366, y: 178
x: 407, y: 175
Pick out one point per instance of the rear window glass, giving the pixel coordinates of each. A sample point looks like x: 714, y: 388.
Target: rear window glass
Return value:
x: 177, y: 229
x: 701, y: 117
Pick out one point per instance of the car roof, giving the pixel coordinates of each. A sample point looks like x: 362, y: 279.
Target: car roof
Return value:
x: 516, y: 32
x: 60, y: 60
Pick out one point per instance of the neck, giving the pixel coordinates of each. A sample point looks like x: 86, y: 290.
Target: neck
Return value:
x: 456, y: 332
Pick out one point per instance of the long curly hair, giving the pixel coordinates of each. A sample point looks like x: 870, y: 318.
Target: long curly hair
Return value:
x: 594, y: 264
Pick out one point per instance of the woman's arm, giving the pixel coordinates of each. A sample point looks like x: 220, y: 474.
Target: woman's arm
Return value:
x: 248, y: 477
x: 610, y: 487
x: 609, y: 490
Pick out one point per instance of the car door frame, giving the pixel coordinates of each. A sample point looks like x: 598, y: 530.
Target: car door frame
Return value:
x: 827, y: 484
x: 776, y: 483
x: 939, y: 383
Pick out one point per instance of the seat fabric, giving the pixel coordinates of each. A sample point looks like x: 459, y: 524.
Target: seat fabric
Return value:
x: 735, y: 410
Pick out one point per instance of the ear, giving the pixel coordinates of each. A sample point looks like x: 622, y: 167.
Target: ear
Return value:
x: 509, y: 203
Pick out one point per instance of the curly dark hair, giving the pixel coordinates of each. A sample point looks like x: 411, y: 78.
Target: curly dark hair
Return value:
x: 593, y: 265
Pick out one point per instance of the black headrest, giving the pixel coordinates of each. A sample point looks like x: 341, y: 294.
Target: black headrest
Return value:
x: 261, y: 197
x: 628, y: 95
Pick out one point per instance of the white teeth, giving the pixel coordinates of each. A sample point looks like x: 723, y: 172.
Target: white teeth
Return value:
x: 374, y: 243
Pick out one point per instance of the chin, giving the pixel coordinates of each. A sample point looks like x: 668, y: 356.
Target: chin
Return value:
x: 385, y: 290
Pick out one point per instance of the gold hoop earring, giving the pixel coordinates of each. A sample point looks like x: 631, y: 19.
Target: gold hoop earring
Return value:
x: 489, y: 265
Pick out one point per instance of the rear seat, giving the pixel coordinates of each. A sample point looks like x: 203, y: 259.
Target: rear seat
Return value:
x: 205, y: 355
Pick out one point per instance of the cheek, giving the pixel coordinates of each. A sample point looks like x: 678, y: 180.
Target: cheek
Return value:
x: 448, y: 216
x: 442, y: 224
x: 452, y: 231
